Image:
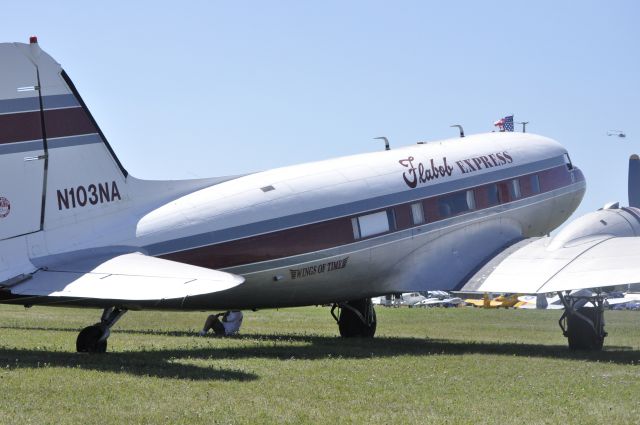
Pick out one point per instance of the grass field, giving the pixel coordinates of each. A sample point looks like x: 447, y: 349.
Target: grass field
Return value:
x: 424, y: 366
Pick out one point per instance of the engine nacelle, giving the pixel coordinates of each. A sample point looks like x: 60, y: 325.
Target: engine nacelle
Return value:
x: 619, y: 222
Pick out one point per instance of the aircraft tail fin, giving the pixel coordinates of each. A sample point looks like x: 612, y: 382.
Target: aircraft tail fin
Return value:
x: 633, y: 185
x: 55, y: 163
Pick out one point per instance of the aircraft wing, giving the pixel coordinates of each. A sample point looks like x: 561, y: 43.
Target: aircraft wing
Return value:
x: 587, y: 262
x: 626, y: 299
x: 430, y: 301
x: 131, y: 277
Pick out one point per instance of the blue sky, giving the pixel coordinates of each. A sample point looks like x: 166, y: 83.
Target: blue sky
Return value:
x: 210, y: 88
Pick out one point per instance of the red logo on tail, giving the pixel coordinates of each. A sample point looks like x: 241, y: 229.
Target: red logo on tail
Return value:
x: 5, y: 207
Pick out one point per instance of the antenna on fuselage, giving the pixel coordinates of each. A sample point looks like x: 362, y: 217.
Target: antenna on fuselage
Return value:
x: 524, y: 125
x: 386, y: 142
x: 459, y: 128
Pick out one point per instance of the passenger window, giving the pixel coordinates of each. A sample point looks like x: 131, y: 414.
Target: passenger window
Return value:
x: 492, y: 195
x: 515, y: 189
x: 370, y: 224
x: 356, y: 228
x: 391, y: 217
x: 535, y: 184
x: 456, y: 203
x: 444, y: 209
x: 417, y: 213
x: 504, y: 190
x: 471, y: 200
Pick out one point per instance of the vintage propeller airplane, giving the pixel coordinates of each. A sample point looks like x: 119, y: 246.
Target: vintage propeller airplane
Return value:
x: 77, y: 230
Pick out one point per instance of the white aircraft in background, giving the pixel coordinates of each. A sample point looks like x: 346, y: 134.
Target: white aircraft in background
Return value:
x: 77, y: 230
x: 622, y: 301
x: 541, y: 302
x: 412, y: 298
x: 440, y: 299
x: 555, y: 302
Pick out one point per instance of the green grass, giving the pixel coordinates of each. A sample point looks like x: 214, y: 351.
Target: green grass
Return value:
x: 425, y: 366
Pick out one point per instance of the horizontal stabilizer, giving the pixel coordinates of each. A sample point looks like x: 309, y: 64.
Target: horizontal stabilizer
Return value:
x: 126, y: 277
x: 591, y: 262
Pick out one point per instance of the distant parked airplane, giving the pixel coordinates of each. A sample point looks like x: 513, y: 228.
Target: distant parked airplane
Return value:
x: 501, y: 301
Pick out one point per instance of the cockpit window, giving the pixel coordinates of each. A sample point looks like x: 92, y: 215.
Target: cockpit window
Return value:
x: 567, y: 161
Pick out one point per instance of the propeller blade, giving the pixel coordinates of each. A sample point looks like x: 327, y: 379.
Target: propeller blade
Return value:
x: 634, y: 181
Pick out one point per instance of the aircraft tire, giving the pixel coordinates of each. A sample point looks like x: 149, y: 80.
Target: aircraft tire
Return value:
x: 88, y: 340
x: 581, y: 335
x: 350, y: 324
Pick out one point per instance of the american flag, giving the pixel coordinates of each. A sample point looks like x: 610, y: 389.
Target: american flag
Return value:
x: 508, y: 123
x: 505, y: 124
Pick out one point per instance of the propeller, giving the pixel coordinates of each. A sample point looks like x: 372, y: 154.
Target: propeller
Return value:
x: 633, y: 185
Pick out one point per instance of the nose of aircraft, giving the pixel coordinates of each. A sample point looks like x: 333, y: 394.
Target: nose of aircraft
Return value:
x: 577, y: 174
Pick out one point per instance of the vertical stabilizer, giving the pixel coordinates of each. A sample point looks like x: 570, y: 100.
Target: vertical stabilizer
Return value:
x: 633, y: 183
x: 56, y: 167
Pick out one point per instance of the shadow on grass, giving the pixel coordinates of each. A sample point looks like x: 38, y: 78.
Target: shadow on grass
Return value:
x: 115, y: 330
x: 156, y: 363
x: 321, y: 347
x: 163, y: 363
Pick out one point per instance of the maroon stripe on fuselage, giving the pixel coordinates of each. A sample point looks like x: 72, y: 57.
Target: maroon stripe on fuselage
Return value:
x: 25, y: 126
x: 337, y: 232
x: 284, y: 243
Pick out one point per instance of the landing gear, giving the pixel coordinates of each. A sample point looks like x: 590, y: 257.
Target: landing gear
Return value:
x: 93, y: 339
x: 357, y: 318
x: 583, y: 326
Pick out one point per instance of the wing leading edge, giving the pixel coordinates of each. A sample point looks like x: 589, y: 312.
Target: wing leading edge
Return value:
x: 131, y: 277
x: 592, y: 262
x: 596, y: 250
